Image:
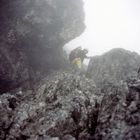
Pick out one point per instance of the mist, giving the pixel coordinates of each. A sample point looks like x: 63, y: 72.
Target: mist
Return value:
x: 109, y: 24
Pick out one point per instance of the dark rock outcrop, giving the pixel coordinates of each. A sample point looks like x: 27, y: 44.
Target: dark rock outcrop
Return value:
x: 114, y: 66
x: 32, y: 34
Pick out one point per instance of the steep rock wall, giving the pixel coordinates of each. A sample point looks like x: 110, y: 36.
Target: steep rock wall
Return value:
x: 32, y: 33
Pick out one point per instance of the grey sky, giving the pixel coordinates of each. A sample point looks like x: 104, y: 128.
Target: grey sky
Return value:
x: 110, y: 24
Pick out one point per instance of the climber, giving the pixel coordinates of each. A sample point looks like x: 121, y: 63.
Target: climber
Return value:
x: 73, y: 53
x: 77, y: 57
x: 74, y: 60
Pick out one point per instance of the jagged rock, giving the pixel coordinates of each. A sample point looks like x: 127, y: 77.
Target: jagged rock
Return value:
x: 62, y: 109
x: 71, y: 107
x: 32, y: 34
x: 119, y: 115
x: 115, y: 73
x: 114, y: 66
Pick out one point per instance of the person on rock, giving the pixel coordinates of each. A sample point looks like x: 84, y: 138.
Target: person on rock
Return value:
x: 77, y: 57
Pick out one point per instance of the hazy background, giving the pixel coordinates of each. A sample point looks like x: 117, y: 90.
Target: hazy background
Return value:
x: 110, y: 24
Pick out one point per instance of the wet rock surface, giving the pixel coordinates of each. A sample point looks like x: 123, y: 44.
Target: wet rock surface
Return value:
x: 71, y: 107
x: 32, y: 34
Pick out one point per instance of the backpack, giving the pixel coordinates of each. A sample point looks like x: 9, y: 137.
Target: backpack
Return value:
x: 74, y: 53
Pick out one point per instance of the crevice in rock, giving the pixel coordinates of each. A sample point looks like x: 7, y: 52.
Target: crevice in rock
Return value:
x: 93, y: 119
x: 7, y: 130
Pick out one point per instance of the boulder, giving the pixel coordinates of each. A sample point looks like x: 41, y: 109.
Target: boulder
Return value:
x: 114, y: 66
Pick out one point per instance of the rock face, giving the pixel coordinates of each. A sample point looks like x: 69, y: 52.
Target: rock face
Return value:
x: 32, y: 33
x: 114, y: 66
x: 119, y: 114
x: 71, y: 107
x: 61, y: 110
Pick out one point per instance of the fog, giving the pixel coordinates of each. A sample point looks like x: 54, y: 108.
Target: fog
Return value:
x: 110, y: 24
